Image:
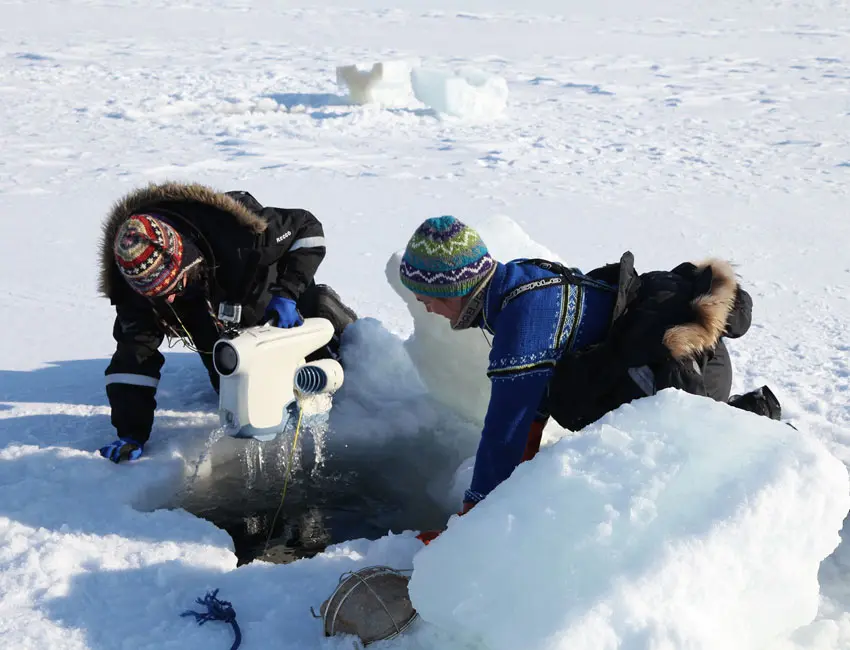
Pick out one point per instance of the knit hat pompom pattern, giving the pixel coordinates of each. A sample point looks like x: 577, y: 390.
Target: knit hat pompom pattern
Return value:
x: 149, y: 253
x: 445, y: 258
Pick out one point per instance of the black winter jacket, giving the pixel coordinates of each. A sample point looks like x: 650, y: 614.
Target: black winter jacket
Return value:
x: 666, y: 332
x: 251, y: 253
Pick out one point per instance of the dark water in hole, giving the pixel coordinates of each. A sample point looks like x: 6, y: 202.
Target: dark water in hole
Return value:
x: 351, y: 494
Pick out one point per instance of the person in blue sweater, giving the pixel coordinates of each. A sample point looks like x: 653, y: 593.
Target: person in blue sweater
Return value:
x: 573, y: 345
x: 533, y: 318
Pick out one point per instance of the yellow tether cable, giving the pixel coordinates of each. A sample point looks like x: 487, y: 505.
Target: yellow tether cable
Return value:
x: 286, y: 478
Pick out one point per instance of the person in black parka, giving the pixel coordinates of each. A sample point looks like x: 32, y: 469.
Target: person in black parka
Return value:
x: 184, y: 261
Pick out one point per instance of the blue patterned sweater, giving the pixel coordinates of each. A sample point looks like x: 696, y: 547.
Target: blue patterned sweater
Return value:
x: 530, y: 332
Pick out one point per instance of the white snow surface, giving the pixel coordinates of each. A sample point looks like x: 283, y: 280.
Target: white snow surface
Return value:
x: 657, y: 527
x: 674, y: 130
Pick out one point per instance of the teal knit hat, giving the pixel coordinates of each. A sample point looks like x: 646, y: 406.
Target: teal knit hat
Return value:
x: 445, y: 258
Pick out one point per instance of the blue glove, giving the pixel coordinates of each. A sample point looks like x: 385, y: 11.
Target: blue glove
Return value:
x: 122, y: 449
x: 283, y: 309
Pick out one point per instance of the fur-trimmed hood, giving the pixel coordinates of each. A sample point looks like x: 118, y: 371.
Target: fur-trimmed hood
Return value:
x: 711, y: 311
x: 147, y: 198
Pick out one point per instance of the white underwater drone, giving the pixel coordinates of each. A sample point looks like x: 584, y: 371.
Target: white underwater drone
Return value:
x: 263, y: 372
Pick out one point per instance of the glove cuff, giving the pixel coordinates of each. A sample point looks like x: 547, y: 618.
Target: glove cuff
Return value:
x: 278, y: 291
x: 472, y: 496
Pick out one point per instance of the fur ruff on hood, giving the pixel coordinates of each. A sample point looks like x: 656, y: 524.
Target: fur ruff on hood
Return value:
x: 711, y: 311
x: 146, y: 198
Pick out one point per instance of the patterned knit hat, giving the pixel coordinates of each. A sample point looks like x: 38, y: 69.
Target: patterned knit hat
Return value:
x: 152, y: 255
x: 445, y: 258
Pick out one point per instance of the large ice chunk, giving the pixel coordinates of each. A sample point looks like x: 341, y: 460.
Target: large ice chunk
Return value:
x: 453, y: 364
x: 468, y: 93
x: 386, y: 83
x: 674, y: 522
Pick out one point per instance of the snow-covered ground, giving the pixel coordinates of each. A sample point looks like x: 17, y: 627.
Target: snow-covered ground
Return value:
x: 674, y: 131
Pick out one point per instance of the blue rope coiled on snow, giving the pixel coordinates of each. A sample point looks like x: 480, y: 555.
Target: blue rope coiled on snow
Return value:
x: 217, y: 610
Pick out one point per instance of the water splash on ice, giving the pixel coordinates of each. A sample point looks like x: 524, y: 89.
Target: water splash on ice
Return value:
x: 214, y: 437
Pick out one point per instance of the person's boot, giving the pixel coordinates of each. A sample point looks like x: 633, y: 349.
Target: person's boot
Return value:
x: 761, y: 401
